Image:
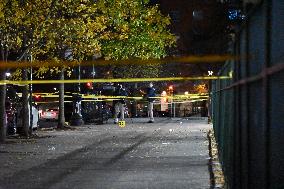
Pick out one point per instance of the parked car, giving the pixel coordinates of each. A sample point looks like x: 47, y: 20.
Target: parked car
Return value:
x: 14, y: 113
x: 11, y: 124
x: 12, y: 99
x: 19, y: 119
x: 50, y: 114
x: 96, y: 112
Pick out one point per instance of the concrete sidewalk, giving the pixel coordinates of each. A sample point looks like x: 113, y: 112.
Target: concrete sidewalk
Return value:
x: 171, y: 153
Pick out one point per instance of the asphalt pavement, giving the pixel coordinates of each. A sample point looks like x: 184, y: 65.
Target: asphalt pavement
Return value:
x: 167, y: 154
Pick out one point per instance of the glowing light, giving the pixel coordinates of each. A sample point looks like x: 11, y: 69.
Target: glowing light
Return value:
x: 37, y: 97
x: 88, y: 84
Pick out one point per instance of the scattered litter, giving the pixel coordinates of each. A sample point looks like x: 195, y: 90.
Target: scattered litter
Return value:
x: 171, y: 130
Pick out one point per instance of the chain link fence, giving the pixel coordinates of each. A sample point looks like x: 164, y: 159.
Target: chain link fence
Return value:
x: 248, y: 111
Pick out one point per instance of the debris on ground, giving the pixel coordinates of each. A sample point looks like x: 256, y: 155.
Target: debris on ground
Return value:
x: 218, y: 175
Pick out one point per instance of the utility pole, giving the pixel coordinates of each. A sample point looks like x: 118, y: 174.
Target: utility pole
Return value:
x: 76, y: 118
x: 31, y: 98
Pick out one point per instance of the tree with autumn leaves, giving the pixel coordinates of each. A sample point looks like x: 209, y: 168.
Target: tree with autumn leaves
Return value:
x: 134, y: 30
x: 115, y: 29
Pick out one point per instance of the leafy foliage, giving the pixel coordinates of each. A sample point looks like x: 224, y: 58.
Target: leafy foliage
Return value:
x: 78, y: 29
x: 72, y: 31
x: 134, y: 30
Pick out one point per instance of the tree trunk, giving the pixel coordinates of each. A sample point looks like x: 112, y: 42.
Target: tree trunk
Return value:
x: 61, y: 118
x: 3, y: 122
x: 3, y: 116
x: 25, y: 108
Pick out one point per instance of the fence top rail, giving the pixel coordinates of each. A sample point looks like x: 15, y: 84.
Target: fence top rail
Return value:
x: 265, y: 73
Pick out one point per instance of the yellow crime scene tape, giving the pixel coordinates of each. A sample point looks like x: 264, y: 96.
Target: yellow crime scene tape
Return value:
x: 182, y: 102
x: 102, y: 62
x: 117, y: 80
x: 137, y: 98
x: 174, y: 102
x: 140, y: 98
x: 90, y: 98
x: 87, y: 96
x: 56, y: 101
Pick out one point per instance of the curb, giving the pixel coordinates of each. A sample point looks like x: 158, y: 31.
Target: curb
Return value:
x: 217, y: 179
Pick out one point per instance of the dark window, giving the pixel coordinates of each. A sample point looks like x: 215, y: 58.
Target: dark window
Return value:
x: 175, y: 16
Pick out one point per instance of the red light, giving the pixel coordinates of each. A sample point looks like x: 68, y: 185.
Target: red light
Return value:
x: 37, y: 96
x: 89, y: 85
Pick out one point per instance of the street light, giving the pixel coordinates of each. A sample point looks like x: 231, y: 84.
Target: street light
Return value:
x: 93, y: 73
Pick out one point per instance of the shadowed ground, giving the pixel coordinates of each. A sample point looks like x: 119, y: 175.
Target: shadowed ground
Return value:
x: 167, y: 154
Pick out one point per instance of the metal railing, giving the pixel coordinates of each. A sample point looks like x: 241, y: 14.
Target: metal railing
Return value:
x: 248, y: 112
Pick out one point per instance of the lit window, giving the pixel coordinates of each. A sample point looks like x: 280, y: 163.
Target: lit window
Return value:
x: 197, y: 14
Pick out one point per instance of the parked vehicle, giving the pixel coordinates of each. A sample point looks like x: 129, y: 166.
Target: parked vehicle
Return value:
x: 14, y: 113
x: 11, y: 126
x: 96, y: 112
x: 19, y: 119
x: 50, y: 114
x: 11, y: 112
